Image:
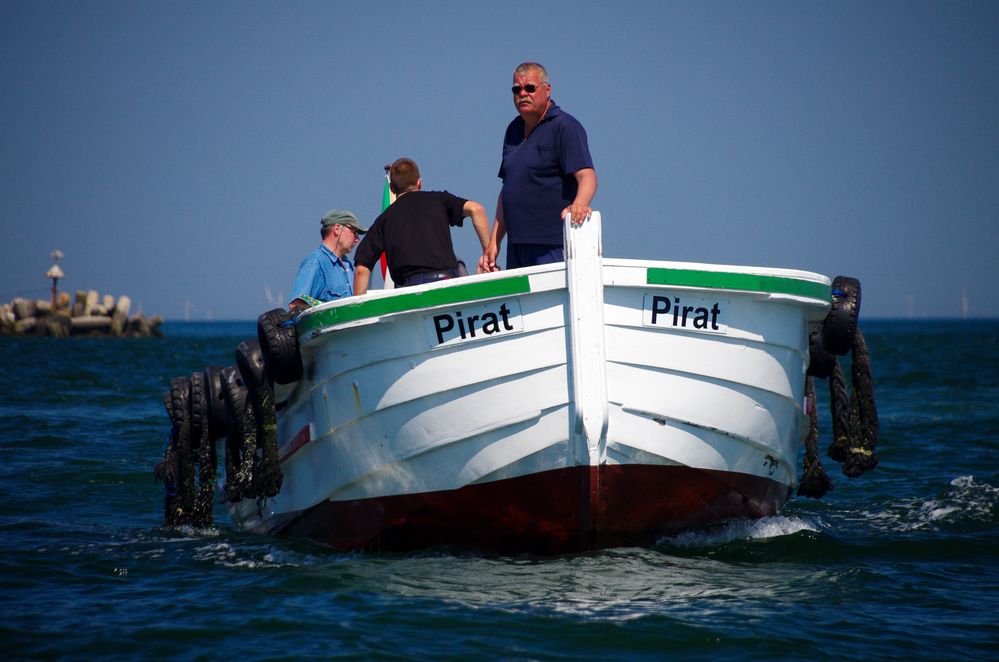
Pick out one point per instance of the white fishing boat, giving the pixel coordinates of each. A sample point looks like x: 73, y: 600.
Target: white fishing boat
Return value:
x: 586, y: 404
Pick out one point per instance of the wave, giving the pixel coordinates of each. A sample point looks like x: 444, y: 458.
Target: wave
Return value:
x: 247, y: 554
x: 764, y: 528
x: 966, y: 502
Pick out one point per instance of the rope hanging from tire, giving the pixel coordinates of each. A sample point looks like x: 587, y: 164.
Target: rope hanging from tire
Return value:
x: 854, y: 412
x: 241, y: 445
x: 188, y: 466
x: 861, y: 454
x: 261, y: 420
x: 815, y: 482
x: 204, y: 499
x: 167, y: 470
x: 236, y: 403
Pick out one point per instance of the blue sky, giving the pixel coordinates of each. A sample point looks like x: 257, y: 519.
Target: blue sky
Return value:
x: 183, y: 152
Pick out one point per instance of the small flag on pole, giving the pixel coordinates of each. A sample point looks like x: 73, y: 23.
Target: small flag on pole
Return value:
x: 388, y: 197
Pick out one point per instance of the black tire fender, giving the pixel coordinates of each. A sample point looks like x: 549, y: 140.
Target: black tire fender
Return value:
x: 236, y: 396
x: 250, y: 361
x: 820, y: 361
x: 168, y: 405
x: 234, y: 393
x: 279, y: 345
x: 199, y: 408
x: 218, y: 415
x: 840, y: 324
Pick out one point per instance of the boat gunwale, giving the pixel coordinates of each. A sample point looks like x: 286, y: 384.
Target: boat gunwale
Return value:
x: 800, y: 286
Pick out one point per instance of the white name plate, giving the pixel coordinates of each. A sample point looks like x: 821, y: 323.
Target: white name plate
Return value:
x: 473, y: 322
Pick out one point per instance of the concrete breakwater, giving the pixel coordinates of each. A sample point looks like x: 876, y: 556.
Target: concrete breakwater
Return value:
x: 88, y: 314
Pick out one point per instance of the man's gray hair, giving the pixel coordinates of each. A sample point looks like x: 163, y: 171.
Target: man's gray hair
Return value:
x: 524, y: 67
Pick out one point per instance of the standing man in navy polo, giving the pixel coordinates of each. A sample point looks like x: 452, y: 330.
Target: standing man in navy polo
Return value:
x: 547, y: 172
x: 327, y: 273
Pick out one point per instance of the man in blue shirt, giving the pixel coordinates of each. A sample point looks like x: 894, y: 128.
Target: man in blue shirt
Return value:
x: 327, y: 273
x: 547, y: 172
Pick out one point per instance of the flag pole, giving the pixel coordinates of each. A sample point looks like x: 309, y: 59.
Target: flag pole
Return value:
x: 388, y: 197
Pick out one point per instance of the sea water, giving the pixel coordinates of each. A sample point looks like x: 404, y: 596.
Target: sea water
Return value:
x: 901, y: 563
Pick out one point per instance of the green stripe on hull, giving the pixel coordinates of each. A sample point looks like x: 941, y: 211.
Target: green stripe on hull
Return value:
x: 733, y: 281
x: 404, y: 302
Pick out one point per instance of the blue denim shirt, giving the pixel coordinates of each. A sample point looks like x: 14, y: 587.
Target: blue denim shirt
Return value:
x: 324, y: 276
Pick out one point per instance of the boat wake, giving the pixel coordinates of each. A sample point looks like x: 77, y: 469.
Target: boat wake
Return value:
x: 740, y: 530
x: 242, y: 554
x: 966, y: 502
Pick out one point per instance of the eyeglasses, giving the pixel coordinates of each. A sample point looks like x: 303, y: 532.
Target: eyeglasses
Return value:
x: 353, y: 230
x: 530, y: 88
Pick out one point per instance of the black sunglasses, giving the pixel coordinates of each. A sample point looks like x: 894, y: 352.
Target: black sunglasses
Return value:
x: 529, y: 88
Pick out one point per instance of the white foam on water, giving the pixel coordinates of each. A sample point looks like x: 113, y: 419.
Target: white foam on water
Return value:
x: 965, y: 500
x: 263, y: 555
x: 242, y: 556
x: 744, y: 529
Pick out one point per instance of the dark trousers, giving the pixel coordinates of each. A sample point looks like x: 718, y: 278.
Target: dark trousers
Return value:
x: 528, y: 255
x: 428, y: 277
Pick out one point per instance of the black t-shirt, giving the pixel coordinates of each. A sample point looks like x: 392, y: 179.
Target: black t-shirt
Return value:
x: 415, y: 234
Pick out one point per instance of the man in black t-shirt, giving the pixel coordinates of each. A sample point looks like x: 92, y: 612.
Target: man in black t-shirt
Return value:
x: 414, y: 232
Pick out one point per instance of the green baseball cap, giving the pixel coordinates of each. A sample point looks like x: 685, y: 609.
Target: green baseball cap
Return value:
x: 342, y: 217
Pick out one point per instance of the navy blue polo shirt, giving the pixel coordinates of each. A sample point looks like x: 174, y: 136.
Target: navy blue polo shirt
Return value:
x: 537, y: 174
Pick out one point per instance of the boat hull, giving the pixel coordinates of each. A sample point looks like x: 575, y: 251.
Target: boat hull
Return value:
x: 551, y: 512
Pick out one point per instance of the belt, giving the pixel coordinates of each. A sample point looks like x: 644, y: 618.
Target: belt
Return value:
x: 429, y: 277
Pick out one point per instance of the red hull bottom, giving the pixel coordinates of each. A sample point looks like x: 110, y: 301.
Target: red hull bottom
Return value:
x: 554, y: 512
